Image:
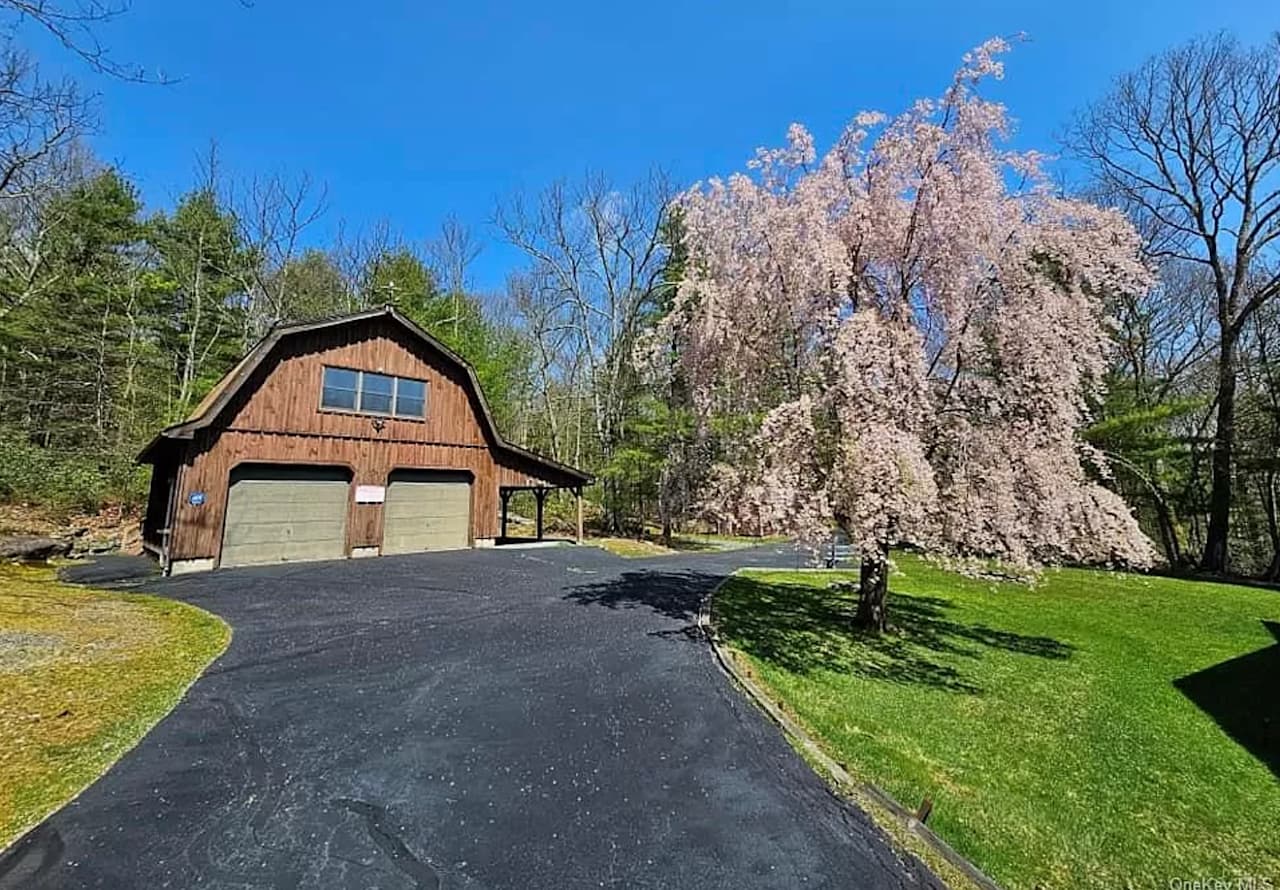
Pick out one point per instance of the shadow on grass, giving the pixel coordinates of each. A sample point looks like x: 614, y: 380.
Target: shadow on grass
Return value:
x: 1188, y: 574
x: 802, y: 628
x: 694, y: 545
x: 1240, y: 695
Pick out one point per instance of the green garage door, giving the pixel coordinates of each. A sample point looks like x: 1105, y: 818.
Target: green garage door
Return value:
x: 426, y: 511
x: 285, y: 514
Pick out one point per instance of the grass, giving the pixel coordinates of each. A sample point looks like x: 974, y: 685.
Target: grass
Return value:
x: 692, y: 541
x: 630, y: 547
x: 84, y: 674
x: 651, y: 544
x: 1098, y: 729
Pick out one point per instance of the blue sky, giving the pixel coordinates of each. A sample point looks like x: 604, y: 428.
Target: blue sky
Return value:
x: 410, y: 111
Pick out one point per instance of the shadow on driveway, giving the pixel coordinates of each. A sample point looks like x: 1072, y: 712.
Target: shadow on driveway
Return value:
x: 477, y: 719
x: 673, y: 594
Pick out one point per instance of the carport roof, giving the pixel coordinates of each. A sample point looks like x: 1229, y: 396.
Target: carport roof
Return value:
x: 225, y: 390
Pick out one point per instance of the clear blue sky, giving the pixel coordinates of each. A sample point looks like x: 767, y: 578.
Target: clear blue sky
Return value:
x: 412, y: 110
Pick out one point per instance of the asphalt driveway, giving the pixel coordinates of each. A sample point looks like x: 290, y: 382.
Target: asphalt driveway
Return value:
x: 519, y: 719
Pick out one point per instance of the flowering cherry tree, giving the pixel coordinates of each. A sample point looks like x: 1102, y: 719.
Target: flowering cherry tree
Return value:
x: 918, y: 316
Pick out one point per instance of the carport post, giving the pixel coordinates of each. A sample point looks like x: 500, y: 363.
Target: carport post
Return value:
x: 578, y: 494
x: 541, y: 495
x: 505, y: 494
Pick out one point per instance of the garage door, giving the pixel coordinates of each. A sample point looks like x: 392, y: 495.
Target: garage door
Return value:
x: 426, y: 511
x: 285, y: 514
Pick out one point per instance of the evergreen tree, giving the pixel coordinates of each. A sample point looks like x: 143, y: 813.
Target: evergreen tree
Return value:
x: 401, y: 279
x: 202, y: 266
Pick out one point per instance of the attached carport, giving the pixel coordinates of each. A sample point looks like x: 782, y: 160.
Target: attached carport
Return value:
x: 540, y: 492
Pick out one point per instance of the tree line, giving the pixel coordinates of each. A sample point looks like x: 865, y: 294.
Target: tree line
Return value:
x: 115, y: 320
x: 1188, y: 145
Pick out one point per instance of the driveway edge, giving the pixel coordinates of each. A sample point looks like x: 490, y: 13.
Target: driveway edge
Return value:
x: 837, y: 773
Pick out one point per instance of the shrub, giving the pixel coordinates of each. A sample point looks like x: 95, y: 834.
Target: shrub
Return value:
x: 66, y: 479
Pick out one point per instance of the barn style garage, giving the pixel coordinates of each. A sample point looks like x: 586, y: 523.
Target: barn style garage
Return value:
x: 354, y: 436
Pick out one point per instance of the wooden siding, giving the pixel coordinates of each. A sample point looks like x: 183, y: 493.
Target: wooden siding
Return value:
x: 283, y: 395
x: 276, y: 418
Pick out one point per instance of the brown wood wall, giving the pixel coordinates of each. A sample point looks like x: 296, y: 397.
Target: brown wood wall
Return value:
x: 276, y: 418
x: 153, y: 524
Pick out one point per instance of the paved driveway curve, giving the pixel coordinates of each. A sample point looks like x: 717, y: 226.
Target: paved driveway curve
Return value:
x: 521, y: 719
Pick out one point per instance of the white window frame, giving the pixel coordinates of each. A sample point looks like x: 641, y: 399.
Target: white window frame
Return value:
x: 395, y: 395
x: 395, y: 398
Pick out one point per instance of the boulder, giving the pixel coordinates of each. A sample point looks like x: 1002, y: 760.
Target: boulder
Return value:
x: 93, y: 546
x: 32, y: 548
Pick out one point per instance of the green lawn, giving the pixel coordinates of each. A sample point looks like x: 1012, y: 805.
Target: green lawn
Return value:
x: 1099, y: 729
x: 84, y: 674
x: 651, y: 544
x: 695, y: 541
x: 630, y: 547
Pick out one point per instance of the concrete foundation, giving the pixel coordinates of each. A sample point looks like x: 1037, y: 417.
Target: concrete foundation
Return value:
x: 186, y: 566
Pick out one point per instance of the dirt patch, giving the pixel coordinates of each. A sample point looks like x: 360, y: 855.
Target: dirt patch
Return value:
x: 22, y: 650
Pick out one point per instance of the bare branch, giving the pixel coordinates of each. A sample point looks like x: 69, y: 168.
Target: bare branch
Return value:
x: 76, y: 25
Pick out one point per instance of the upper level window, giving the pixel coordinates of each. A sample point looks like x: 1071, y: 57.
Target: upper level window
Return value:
x: 376, y: 393
x: 341, y: 389
x: 370, y: 393
x: 411, y: 397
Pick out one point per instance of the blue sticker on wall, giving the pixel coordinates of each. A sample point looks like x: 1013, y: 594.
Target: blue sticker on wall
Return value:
x: 196, y: 498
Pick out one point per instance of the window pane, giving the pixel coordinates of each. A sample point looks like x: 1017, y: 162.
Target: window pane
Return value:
x: 415, y: 408
x: 339, y: 389
x: 375, y: 393
x: 411, y: 398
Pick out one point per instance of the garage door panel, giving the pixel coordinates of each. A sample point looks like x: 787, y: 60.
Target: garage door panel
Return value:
x: 426, y: 512
x: 285, y: 514
x: 297, y: 530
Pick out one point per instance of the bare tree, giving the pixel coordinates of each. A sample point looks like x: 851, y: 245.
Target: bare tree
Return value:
x: 451, y: 255
x: 76, y: 25
x: 1165, y: 334
x: 556, y: 367
x: 359, y: 256
x: 596, y: 256
x: 273, y: 213
x: 29, y: 221
x: 1166, y: 351
x: 37, y: 118
x: 40, y: 122
x: 1190, y: 145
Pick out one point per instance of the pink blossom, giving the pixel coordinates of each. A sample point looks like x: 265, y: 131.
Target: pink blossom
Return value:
x: 919, y: 318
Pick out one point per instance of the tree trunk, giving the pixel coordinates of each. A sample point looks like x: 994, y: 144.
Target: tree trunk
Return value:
x: 1268, y: 492
x: 1168, y: 532
x: 873, y: 588
x: 1214, y: 558
x: 668, y: 502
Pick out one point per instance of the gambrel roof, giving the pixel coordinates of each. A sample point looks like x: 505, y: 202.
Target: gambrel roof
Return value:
x: 211, y: 406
